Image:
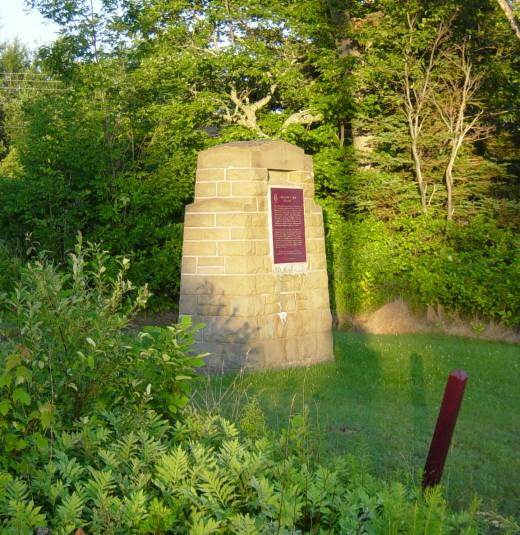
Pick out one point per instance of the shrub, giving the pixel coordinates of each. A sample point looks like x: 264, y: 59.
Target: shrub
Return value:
x: 10, y: 266
x: 94, y: 431
x: 65, y: 351
x: 204, y: 476
x: 472, y: 270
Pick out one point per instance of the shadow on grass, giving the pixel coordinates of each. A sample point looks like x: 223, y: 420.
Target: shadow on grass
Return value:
x: 380, y: 400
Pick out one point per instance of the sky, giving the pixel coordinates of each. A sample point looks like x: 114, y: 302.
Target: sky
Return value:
x: 28, y: 25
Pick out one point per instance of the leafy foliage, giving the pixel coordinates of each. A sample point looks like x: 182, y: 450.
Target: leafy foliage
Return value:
x: 203, y: 475
x: 139, y: 88
x: 96, y: 432
x: 471, y: 270
x: 64, y: 351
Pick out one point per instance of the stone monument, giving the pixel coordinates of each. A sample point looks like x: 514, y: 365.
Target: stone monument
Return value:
x: 254, y: 269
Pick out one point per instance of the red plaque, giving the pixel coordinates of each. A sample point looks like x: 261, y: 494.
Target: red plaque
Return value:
x: 288, y: 225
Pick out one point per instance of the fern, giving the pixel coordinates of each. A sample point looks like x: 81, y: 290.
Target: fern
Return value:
x: 23, y: 517
x: 134, y: 507
x: 150, y: 448
x: 243, y: 525
x: 171, y: 469
x: 100, y: 485
x: 110, y: 459
x: 160, y: 517
x: 203, y: 526
x: 69, y: 513
x: 126, y: 448
x: 70, y: 469
x: 216, y: 486
x: 56, y: 491
x: 16, y: 491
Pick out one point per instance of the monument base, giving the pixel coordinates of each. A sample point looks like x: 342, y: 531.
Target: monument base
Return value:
x: 263, y: 304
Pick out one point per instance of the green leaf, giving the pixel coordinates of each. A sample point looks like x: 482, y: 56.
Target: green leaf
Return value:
x: 12, y: 361
x: 21, y: 396
x: 22, y: 375
x: 21, y: 444
x: 5, y: 380
x: 5, y: 405
x: 46, y: 415
x: 40, y: 441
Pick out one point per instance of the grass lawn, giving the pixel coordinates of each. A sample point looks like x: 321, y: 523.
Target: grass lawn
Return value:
x: 380, y: 399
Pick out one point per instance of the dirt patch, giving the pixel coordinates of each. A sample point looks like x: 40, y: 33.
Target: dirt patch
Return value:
x: 158, y: 319
x: 396, y: 317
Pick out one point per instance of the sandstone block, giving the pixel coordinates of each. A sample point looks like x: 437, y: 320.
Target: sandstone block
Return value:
x: 224, y: 156
x: 247, y: 174
x: 280, y: 155
x: 205, y: 189
x: 245, y: 265
x: 316, y: 246
x: 210, y: 261
x: 211, y: 174
x: 224, y: 189
x: 265, y: 284
x: 214, y: 205
x: 199, y: 248
x: 187, y: 303
x: 292, y: 348
x: 198, y: 220
x: 307, y: 346
x: 234, y: 220
x: 316, y: 261
x: 248, y: 189
x: 196, y: 285
x: 245, y: 306
x: 234, y: 285
x: 249, y: 233
x: 201, y: 234
x: 210, y: 270
x: 189, y: 264
x: 261, y: 204
x: 236, y: 248
x: 230, y: 330
x: 262, y: 248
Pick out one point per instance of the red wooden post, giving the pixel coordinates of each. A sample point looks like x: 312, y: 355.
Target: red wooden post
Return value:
x: 446, y: 421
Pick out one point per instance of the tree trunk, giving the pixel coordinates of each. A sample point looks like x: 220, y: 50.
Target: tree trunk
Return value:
x: 449, y: 178
x: 418, y: 175
x: 449, y: 183
x: 510, y: 15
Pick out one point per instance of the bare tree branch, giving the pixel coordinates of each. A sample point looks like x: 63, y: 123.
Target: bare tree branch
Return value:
x: 304, y: 117
x: 245, y: 112
x: 418, y: 88
x: 460, y: 111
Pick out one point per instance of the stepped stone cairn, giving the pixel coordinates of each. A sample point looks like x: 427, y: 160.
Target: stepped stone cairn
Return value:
x: 254, y: 268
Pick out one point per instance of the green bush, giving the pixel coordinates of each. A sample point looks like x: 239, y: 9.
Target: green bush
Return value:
x: 66, y: 353
x: 95, y: 432
x: 205, y: 476
x: 472, y: 270
x: 10, y: 266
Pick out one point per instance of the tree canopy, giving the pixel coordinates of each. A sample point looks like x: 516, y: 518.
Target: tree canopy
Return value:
x: 410, y: 110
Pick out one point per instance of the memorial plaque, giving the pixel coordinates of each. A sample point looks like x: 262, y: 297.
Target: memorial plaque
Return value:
x: 288, y: 225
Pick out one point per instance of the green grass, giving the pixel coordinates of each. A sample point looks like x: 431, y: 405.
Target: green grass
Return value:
x: 380, y: 399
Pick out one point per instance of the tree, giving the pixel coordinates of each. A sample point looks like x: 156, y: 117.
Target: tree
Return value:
x: 419, y: 86
x: 459, y: 108
x: 505, y: 6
